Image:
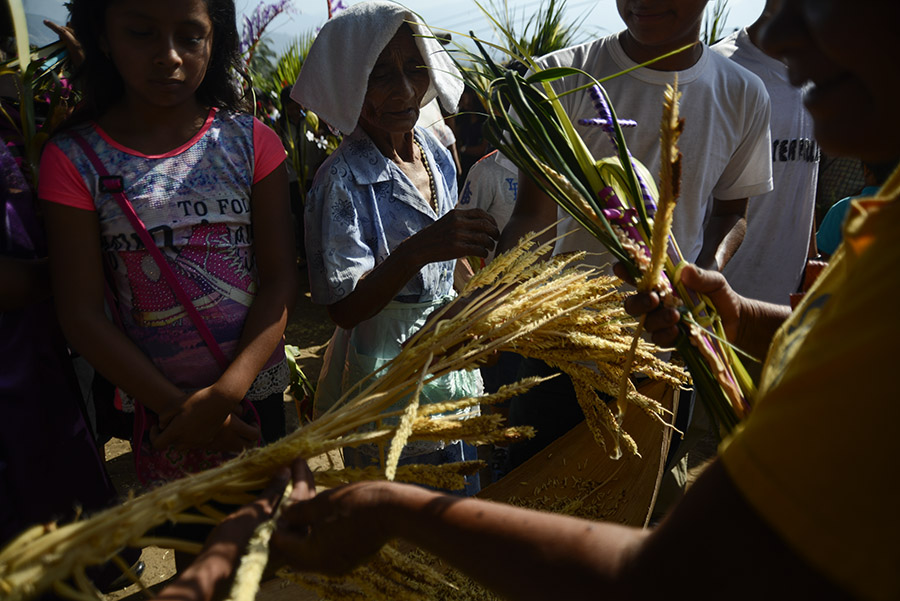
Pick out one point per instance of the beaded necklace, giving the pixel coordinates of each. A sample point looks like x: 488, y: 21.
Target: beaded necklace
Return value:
x: 431, y: 185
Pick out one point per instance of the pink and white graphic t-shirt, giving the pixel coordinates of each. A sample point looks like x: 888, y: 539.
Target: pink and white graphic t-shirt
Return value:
x: 195, y: 203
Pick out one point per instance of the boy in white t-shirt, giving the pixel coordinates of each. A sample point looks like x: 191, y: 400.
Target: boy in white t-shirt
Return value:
x: 726, y: 160
x: 769, y: 264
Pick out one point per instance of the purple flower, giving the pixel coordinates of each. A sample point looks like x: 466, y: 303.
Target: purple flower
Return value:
x: 336, y: 7
x: 617, y: 214
x: 256, y: 24
x: 606, y: 122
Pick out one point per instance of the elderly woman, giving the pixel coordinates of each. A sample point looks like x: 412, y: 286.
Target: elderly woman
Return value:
x: 381, y: 232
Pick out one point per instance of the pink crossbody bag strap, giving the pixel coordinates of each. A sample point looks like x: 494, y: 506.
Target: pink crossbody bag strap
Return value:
x: 113, y: 185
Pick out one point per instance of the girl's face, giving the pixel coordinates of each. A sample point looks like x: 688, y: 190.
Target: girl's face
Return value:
x: 161, y: 48
x: 397, y: 84
x: 844, y: 53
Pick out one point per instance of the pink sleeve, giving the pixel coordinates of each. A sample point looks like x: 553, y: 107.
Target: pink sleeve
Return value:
x: 268, y: 150
x: 60, y: 182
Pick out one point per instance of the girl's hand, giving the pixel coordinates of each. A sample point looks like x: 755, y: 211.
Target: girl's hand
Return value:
x: 206, y: 419
x: 235, y: 435
x: 67, y: 37
x: 459, y: 233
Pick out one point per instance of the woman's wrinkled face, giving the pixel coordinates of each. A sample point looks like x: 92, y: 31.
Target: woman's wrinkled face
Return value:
x: 844, y: 53
x: 397, y: 84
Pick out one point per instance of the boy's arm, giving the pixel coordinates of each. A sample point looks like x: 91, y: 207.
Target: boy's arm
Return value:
x: 723, y: 234
x: 534, y: 211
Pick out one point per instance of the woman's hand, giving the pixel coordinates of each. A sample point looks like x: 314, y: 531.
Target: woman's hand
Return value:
x: 459, y: 233
x: 313, y: 533
x: 662, y: 321
x: 207, y: 419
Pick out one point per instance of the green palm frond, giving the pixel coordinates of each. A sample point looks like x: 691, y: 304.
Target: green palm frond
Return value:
x: 41, y: 100
x: 291, y: 60
x: 545, y: 31
x: 714, y: 21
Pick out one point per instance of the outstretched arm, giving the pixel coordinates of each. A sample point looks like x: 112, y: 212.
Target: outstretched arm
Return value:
x: 539, y: 556
x: 211, y: 574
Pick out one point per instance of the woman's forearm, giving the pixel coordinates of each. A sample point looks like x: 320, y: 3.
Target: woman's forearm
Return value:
x: 758, y: 323
x: 553, y: 556
x: 375, y: 289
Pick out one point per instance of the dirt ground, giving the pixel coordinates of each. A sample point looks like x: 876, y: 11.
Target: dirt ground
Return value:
x: 309, y: 329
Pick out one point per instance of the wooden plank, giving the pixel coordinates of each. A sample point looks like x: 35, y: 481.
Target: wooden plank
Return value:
x: 574, y: 475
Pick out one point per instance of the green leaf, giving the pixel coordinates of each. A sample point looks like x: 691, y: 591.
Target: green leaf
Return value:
x: 20, y: 26
x: 552, y: 74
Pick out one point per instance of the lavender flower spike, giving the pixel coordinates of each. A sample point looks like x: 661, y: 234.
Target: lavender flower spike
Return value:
x: 604, y: 123
x: 649, y: 202
x: 255, y: 25
x: 608, y: 124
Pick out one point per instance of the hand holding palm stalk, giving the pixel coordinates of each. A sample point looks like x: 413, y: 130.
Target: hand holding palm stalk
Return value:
x: 616, y: 200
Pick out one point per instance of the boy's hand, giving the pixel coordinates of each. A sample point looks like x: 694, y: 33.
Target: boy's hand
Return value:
x: 662, y: 322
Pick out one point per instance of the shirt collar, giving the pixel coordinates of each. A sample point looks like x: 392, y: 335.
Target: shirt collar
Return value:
x: 369, y: 166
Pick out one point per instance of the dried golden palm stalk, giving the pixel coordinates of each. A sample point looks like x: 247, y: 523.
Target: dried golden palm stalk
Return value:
x: 670, y: 130
x: 517, y: 303
x: 252, y: 564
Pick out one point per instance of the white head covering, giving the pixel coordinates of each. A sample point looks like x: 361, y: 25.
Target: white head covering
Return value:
x: 335, y: 75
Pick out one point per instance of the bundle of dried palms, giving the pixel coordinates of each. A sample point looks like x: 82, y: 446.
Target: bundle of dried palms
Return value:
x: 538, y: 308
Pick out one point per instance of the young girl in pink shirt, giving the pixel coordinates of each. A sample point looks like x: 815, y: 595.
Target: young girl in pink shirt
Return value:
x: 160, y: 123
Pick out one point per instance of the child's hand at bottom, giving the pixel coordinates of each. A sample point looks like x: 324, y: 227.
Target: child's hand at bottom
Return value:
x: 209, y: 576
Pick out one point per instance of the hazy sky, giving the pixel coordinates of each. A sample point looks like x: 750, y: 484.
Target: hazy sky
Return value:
x: 454, y: 15
x: 463, y: 15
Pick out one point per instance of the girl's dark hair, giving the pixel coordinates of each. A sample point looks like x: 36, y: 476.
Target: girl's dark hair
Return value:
x: 102, y: 85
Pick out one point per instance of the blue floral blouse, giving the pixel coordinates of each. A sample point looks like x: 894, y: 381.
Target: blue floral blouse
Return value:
x: 361, y: 207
